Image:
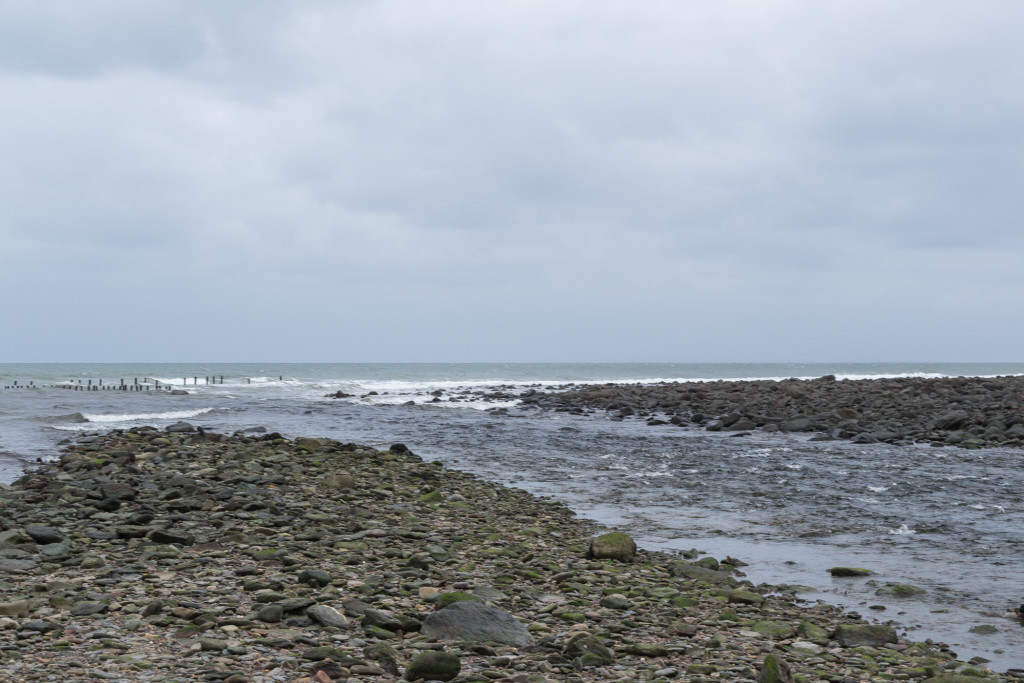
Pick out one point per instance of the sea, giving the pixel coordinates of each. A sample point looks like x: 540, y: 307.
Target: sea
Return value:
x: 948, y: 520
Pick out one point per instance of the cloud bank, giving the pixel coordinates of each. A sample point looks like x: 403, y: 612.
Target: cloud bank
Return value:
x: 465, y: 181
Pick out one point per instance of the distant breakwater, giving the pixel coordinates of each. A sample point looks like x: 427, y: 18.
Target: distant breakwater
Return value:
x: 121, y: 384
x: 968, y: 412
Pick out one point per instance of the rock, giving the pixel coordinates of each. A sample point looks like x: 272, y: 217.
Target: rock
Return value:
x: 383, y: 654
x: 16, y: 566
x: 474, y: 621
x: 900, y: 590
x: 984, y: 629
x: 271, y: 614
x: 170, y: 537
x: 954, y: 419
x: 849, y: 572
x: 775, y: 630
x: 87, y: 608
x: 743, y: 597
x: 612, y: 546
x: 864, y: 635
x: 44, y: 534
x: 586, y: 644
x: 314, y: 577
x: 326, y: 616
x: 15, y: 608
x: 775, y: 670
x: 381, y: 619
x: 54, y: 552
x: 694, y: 573
x: 800, y: 424
x: 340, y: 481
x: 708, y: 563
x: 434, y: 666
x: 616, y: 601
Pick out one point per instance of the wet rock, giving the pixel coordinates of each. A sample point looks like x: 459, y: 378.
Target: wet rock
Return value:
x: 900, y: 590
x: 849, y: 572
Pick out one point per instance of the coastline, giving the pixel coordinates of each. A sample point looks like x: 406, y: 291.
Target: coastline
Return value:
x: 182, y: 555
x: 969, y: 412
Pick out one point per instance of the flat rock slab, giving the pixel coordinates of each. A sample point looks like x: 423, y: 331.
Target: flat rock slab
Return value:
x: 475, y: 621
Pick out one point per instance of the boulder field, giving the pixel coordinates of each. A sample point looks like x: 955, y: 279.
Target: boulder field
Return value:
x: 969, y: 412
x: 187, y: 556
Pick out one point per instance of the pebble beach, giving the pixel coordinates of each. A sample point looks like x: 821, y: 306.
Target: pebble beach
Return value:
x: 179, y: 555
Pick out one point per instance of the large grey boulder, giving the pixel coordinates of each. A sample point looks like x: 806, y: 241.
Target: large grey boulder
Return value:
x: 474, y: 621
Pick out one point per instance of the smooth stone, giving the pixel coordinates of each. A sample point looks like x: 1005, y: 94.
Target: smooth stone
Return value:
x: 865, y: 635
x: 474, y: 621
x: 326, y: 616
x: 44, y: 534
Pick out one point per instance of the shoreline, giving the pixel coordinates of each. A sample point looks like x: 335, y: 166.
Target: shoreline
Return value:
x: 183, y: 555
x: 968, y: 412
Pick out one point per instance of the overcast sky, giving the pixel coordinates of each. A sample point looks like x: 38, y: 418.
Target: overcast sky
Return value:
x: 683, y: 180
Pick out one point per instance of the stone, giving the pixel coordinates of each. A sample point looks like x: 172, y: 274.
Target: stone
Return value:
x: 326, y: 616
x: 900, y: 590
x: 864, y: 635
x: 15, y: 608
x: 44, y: 534
x: 612, y: 546
x: 381, y: 619
x: 775, y: 670
x: 16, y: 566
x: 54, y: 552
x: 170, y: 537
x: 955, y: 419
x: 473, y: 621
x: 271, y: 614
x: 691, y: 571
x: 87, y: 608
x: 314, y: 577
x: 340, y: 481
x: 616, y: 601
x: 849, y: 572
x: 434, y: 666
x: 587, y: 646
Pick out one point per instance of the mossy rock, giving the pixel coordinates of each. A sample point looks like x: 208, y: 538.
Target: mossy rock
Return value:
x: 743, y: 597
x: 812, y: 633
x: 900, y: 590
x: 775, y: 630
x: 774, y: 670
x: 434, y: 666
x: 613, y: 546
x: 843, y: 572
x: 432, y: 497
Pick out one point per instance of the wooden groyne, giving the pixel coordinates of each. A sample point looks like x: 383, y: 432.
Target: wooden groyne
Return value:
x: 122, y: 384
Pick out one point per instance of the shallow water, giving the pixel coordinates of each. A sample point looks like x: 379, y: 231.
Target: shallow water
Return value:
x: 944, y: 519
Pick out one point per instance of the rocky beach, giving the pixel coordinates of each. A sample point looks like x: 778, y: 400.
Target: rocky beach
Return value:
x: 969, y: 412
x: 181, y: 555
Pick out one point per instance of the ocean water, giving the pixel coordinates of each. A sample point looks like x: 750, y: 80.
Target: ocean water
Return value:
x: 945, y: 519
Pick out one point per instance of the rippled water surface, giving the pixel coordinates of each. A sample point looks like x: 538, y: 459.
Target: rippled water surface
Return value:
x: 947, y: 520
